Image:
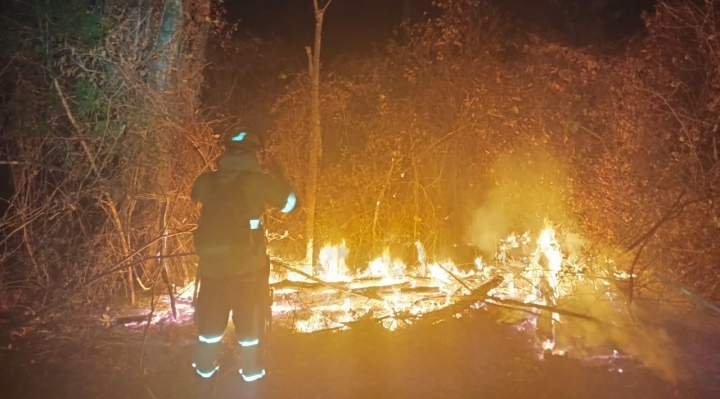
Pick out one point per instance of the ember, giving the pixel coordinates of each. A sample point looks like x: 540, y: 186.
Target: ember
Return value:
x: 395, y: 295
x: 540, y: 277
x: 541, y: 284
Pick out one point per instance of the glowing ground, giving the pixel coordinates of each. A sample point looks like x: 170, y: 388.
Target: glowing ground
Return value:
x: 472, y: 357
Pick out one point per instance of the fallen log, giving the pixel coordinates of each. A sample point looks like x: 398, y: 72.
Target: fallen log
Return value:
x: 338, y: 287
x: 428, y: 290
x: 478, y: 294
x: 286, y: 287
x: 294, y: 285
x: 379, y: 289
x: 355, y: 285
x: 366, y: 321
x: 125, y: 320
x: 491, y: 300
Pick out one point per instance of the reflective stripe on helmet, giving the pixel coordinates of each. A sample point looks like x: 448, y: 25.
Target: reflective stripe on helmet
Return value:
x: 254, y: 224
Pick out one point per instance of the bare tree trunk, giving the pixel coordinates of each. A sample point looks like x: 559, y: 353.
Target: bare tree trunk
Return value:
x: 199, y: 49
x: 162, y: 251
x: 167, y: 44
x: 164, y: 75
x: 416, y: 194
x: 455, y: 217
x: 315, y: 150
x: 380, y: 199
x: 111, y: 209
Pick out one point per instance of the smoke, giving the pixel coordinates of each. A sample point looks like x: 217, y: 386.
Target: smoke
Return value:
x: 524, y: 189
x: 619, y: 329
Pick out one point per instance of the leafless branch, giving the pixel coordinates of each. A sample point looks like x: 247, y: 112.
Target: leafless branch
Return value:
x: 70, y: 116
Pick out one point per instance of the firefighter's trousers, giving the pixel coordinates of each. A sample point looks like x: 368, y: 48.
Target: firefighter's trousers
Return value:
x: 246, y: 296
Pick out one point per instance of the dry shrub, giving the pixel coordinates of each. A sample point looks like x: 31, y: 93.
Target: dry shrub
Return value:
x: 104, y: 160
x: 467, y: 113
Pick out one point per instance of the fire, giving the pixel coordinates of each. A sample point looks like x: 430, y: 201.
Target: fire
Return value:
x: 533, y: 270
x: 389, y: 270
x: 535, y: 277
x: 549, y: 248
x: 332, y: 263
x: 540, y: 274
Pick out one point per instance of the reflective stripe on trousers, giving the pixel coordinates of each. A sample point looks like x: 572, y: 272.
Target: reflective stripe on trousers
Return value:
x: 250, y: 367
x: 252, y: 377
x: 205, y: 374
x: 206, y: 354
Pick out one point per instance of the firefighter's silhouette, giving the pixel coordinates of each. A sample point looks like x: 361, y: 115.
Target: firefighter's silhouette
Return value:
x: 233, y: 263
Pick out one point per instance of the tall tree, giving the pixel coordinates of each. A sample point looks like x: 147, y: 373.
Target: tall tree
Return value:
x: 98, y: 112
x: 315, y: 150
x: 167, y: 45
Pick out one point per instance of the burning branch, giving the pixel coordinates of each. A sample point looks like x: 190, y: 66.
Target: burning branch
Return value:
x: 491, y: 300
x: 479, y: 294
x: 338, y: 287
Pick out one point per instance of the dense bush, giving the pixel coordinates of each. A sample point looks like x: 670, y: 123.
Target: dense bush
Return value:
x: 102, y: 154
x: 467, y: 128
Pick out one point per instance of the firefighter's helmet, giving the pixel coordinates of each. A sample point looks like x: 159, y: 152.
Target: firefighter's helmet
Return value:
x: 241, y: 139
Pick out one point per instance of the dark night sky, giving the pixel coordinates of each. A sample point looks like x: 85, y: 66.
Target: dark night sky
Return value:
x: 360, y: 25
x: 350, y: 25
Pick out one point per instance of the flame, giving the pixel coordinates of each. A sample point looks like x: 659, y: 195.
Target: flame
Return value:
x: 390, y: 271
x: 431, y: 285
x: 532, y: 278
x: 549, y: 248
x: 332, y: 263
x: 533, y: 271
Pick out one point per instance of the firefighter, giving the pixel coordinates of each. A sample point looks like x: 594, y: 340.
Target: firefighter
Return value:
x: 233, y: 265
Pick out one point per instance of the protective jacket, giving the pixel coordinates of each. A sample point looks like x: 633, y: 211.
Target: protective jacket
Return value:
x: 239, y: 175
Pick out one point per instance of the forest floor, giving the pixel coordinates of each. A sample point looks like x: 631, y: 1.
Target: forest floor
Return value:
x: 83, y: 356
